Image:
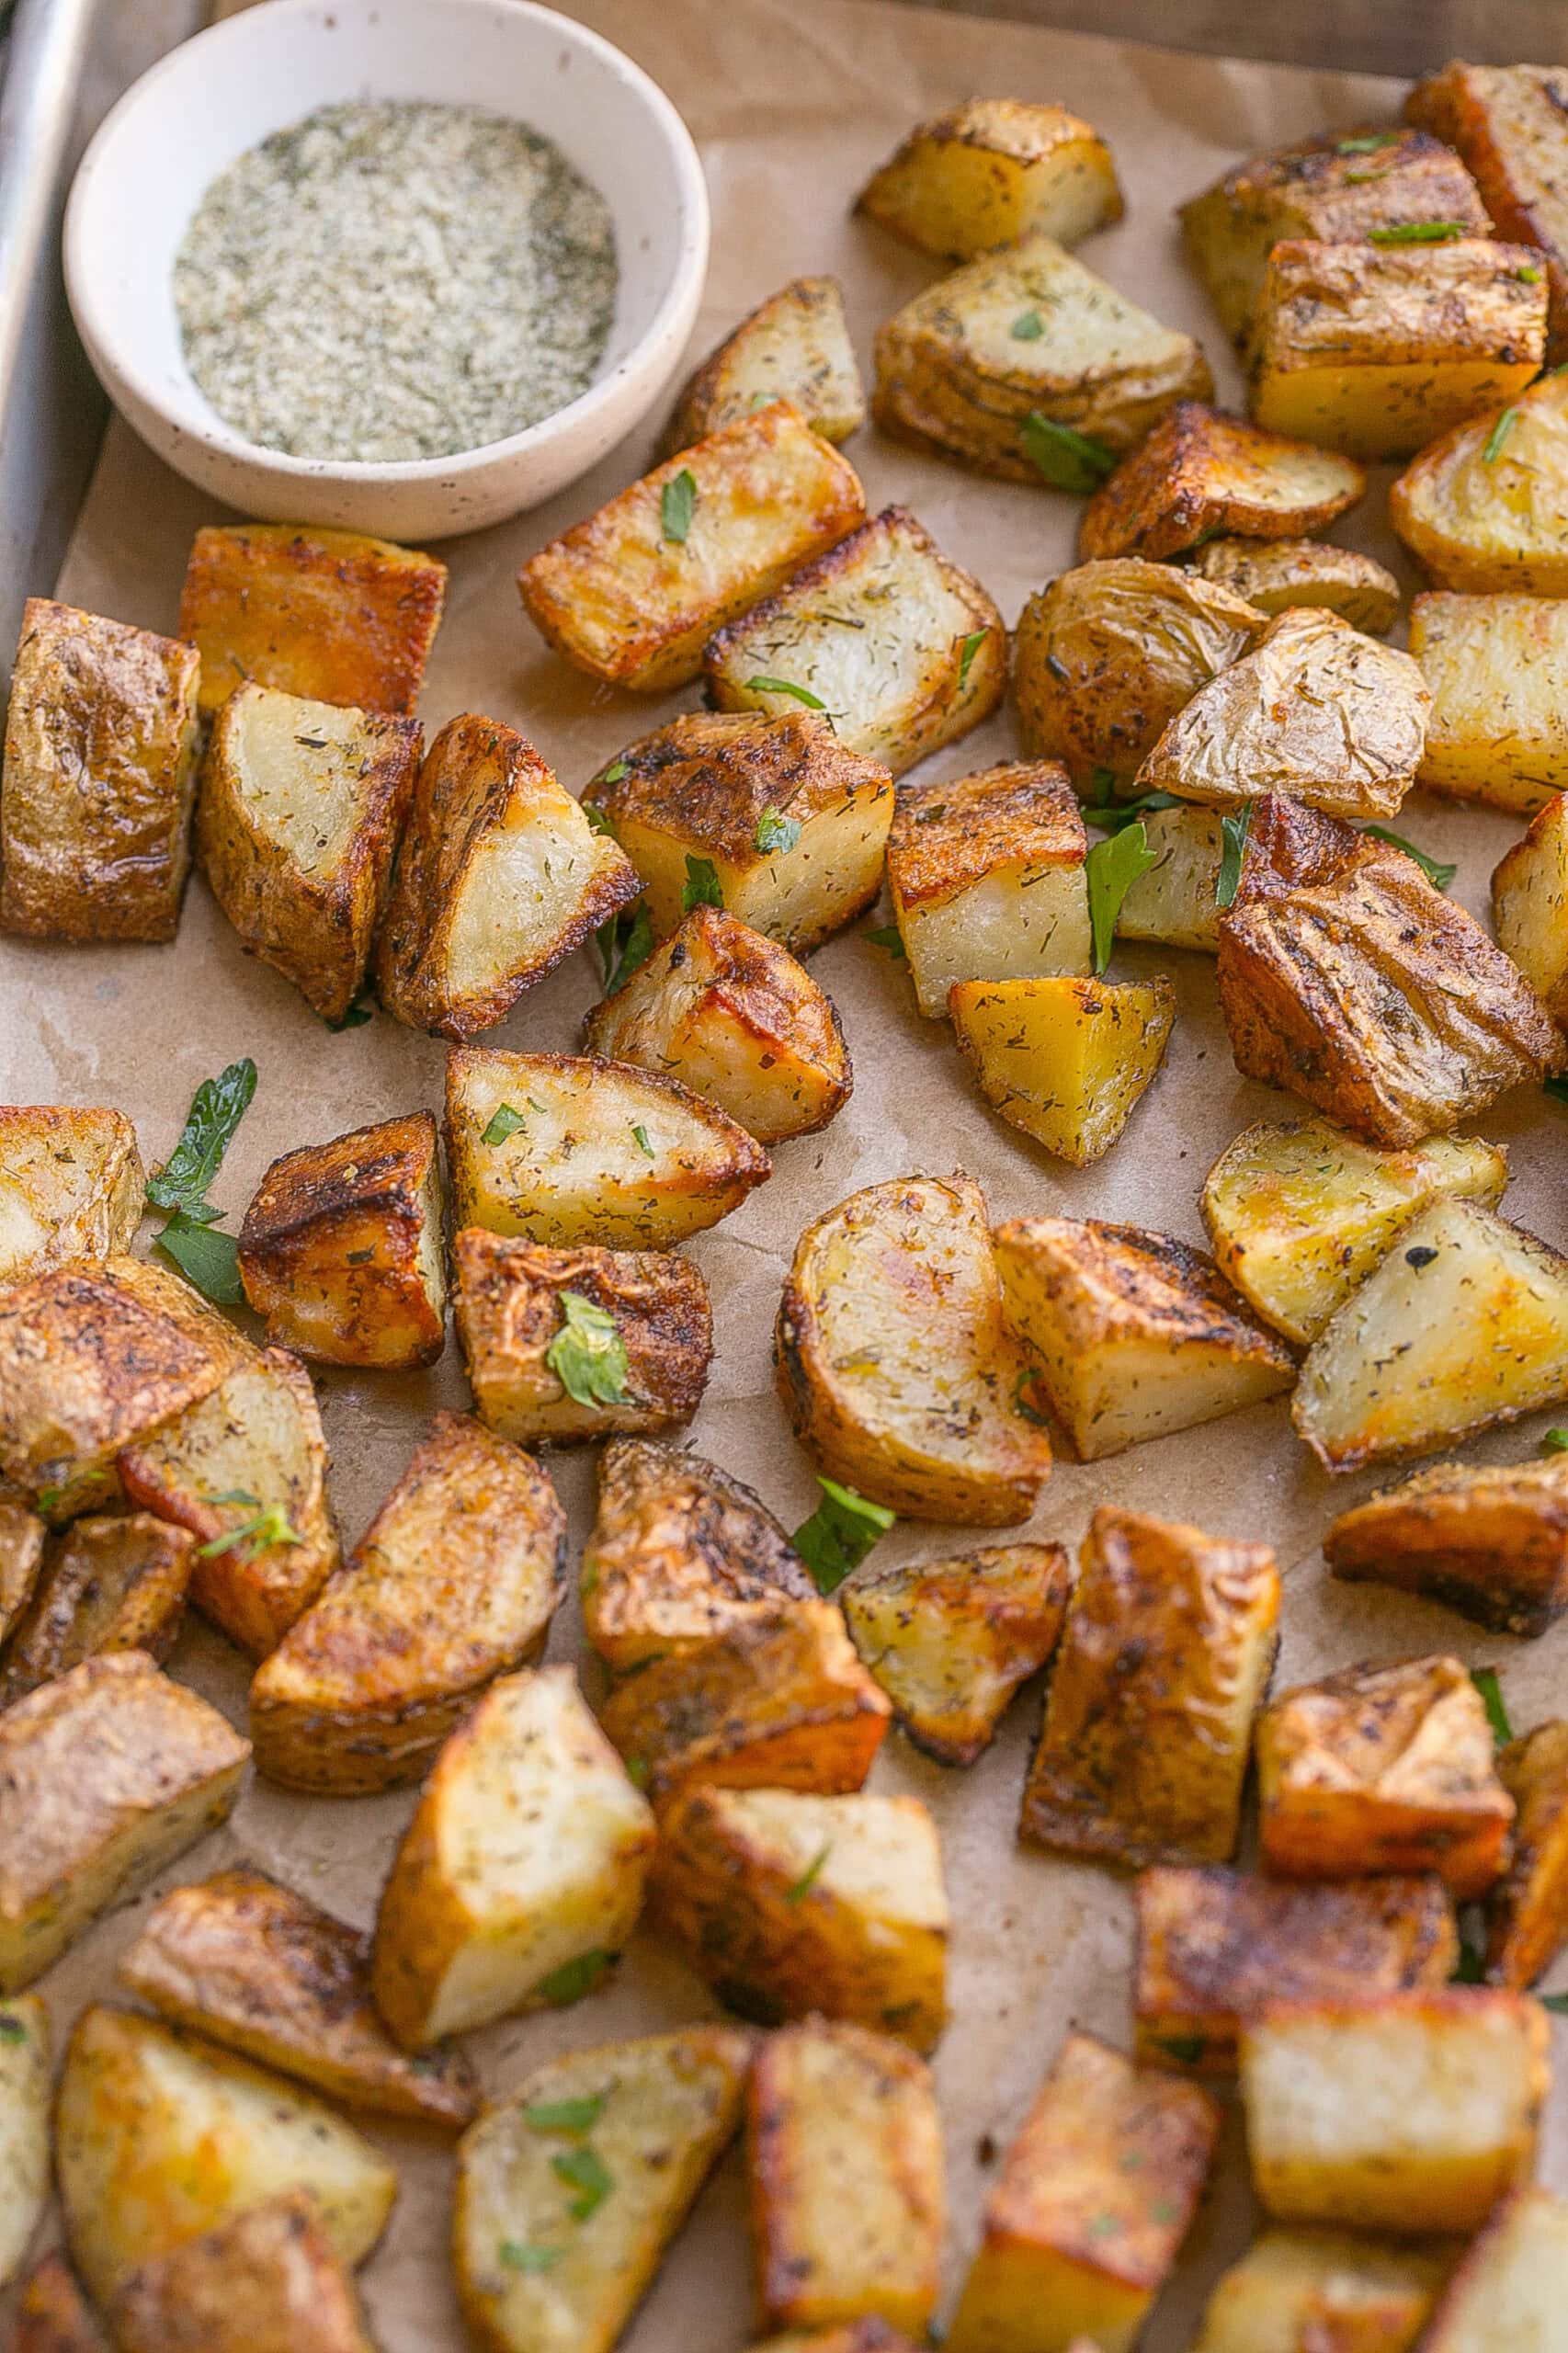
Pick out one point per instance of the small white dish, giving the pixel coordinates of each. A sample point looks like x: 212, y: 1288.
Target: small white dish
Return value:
x: 210, y: 100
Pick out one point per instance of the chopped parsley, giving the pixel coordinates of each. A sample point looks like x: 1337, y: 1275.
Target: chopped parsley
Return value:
x: 598, y: 819
x: 1028, y: 327
x: 355, y: 1017
x: 1437, y: 870
x: 762, y: 686
x: 1493, y: 450
x: 889, y: 939
x: 1067, y: 460
x: 1555, y: 1442
x: 1186, y: 2050
x: 1110, y: 816
x: 1110, y: 869
x: 583, y: 2170
x: 216, y: 1109
x: 209, y: 1260
x: 776, y: 834
x: 1022, y: 1406
x: 566, y: 2115
x: 12, y: 2029
x: 613, y: 774
x: 575, y: 1978
x: 518, y: 2256
x: 268, y: 1524
x: 1369, y: 144
x: 504, y: 1122
x: 588, y: 1355
x: 839, y: 1533
x: 1419, y: 232
x: 701, y: 887
x: 967, y: 652
x: 1485, y: 1681
x: 677, y: 505
x: 625, y: 944
x: 640, y: 1135
x: 1233, y: 841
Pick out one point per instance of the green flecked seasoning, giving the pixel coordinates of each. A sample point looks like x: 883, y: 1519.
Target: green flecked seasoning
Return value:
x: 395, y: 280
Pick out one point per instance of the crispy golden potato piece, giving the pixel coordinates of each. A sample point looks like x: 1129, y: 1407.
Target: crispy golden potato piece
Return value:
x: 1511, y: 2281
x: 1165, y: 1654
x: 790, y: 1904
x: 331, y: 616
x: 112, y: 1585
x: 1527, y: 1909
x: 1094, y: 2198
x: 952, y: 1641
x: 1300, y: 1214
x: 894, y: 1364
x: 70, y: 1187
x: 1407, y: 2112
x: 1201, y: 473
x: 834, y: 2113
x: 632, y: 594
x: 851, y: 2336
x: 1215, y: 1946
x: 1133, y: 1334
x: 991, y: 172
x: 1529, y: 905
x: 266, y: 2281
x: 1176, y: 901
x: 1274, y: 576
x: 1384, y: 1769
x: 252, y: 1966
x: 53, y: 2314
x: 1498, y: 731
x: 794, y: 346
x: 1480, y: 522
x: 732, y: 1015
x: 548, y: 2260
x: 546, y: 1146
x: 1066, y: 1061
x: 100, y: 774
x: 22, y: 1536
x: 543, y: 1362
x: 1507, y: 123
x: 986, y: 876
x: 24, y: 2121
x: 898, y: 645
x: 454, y: 1582
x: 1321, y: 2291
x: 1489, y: 1541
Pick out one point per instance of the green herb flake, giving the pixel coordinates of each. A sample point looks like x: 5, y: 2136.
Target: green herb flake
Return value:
x: 1067, y: 460
x: 1437, y: 870
x: 890, y: 939
x: 801, y: 1888
x: 701, y: 887
x: 575, y: 1978
x: 1493, y: 450
x: 614, y: 773
x: 1233, y: 841
x: 1419, y: 232
x: 520, y: 2256
x: 776, y: 835
x: 583, y: 2171
x: 644, y: 1146
x: 1555, y: 1442
x: 1022, y: 1405
x: 1367, y: 144
x: 1485, y: 1681
x: 12, y: 2029
x: 1556, y: 1087
x: 209, y: 1260
x: 266, y: 1527
x: 1111, y: 868
x: 597, y: 818
x: 625, y: 944
x: 1186, y: 2050
x: 839, y: 1533
x: 637, y: 1769
x: 761, y: 685
x: 1028, y: 327
x: 967, y: 652
x: 588, y: 1355
x: 1528, y: 275
x: 1470, y: 1969
x: 504, y: 1122
x: 1556, y: 2003
x: 677, y: 505
x: 357, y: 1014
x: 1103, y: 2226
x: 216, y: 1109
x: 1110, y: 816
x: 566, y: 2115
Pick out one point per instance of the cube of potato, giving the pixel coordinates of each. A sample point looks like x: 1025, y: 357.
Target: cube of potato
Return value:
x: 790, y: 1904
x: 1498, y: 732
x: 100, y: 774
x: 1201, y: 473
x: 547, y: 2262
x: 266, y: 2281
x: 1511, y: 2282
x: 1176, y: 901
x: 1215, y: 1946
x: 70, y: 1187
x: 331, y: 616
x: 1066, y: 1061
x: 1489, y: 1541
x: 252, y: 1966
x: 22, y: 1535
x: 1133, y: 1334
x: 791, y: 821
x: 990, y: 172
x: 967, y: 370
x: 845, y: 2159
x: 1321, y: 2291
x: 901, y: 649
x: 564, y: 1148
x: 794, y: 346
x: 538, y: 1376
x: 1273, y: 575
x: 1529, y: 905
x: 300, y: 809
x: 1094, y: 2198
x: 633, y: 594
x: 952, y: 1641
x: 24, y: 2123
x: 112, y: 1585
x: 1404, y: 2112
x: 1300, y: 1214
x: 521, y: 1874
x: 732, y: 1015
x: 1384, y: 1769
x: 454, y: 1582
x: 894, y: 1364
x: 341, y: 1247
x: 53, y: 2314
x: 986, y: 878
x: 1166, y: 1655
x: 1527, y: 1909
x: 1506, y: 122
x: 1480, y: 522
x: 106, y: 1775
x: 161, y: 2137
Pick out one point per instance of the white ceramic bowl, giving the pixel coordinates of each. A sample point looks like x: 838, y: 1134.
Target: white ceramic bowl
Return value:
x: 209, y: 101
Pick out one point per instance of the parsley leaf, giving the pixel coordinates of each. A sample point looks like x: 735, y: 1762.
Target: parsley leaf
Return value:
x: 1470, y: 1969
x: 216, y: 1109
x: 566, y: 2115
x: 1555, y: 1442
x: 1067, y: 460
x: 357, y: 1014
x: 1556, y: 1087
x: 1233, y: 837
x: 967, y: 652
x: 1111, y: 868
x: 516, y: 2256
x: 889, y: 937
x: 1437, y: 872
x: 613, y: 774
x: 588, y: 1355
x: 209, y: 1260
x: 1485, y: 1681
x: 701, y: 887
x: 1186, y: 2050
x: 839, y: 1533
x: 1498, y: 435
x: 761, y: 685
x: 1368, y: 144
x: 644, y: 1146
x: 1528, y: 275
x: 774, y: 831
x: 1028, y: 327
x: 266, y: 1527
x: 1419, y: 232
x: 677, y: 505
x: 1555, y: 2002
x: 598, y: 819
x: 625, y: 944
x: 12, y: 2029
x: 504, y: 1122
x: 1027, y: 1411
x: 575, y: 1978
x: 1111, y: 815
x: 583, y: 2170
x: 801, y: 1888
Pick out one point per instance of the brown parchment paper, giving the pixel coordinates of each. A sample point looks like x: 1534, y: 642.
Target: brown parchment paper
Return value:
x: 792, y: 106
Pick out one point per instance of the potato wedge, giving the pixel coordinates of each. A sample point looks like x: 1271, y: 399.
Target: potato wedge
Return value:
x: 1489, y: 1541
x: 901, y: 648
x: 1507, y: 123
x: 1321, y: 2291
x: 112, y: 1585
x: 1176, y: 901
x: 1498, y: 731
x: 1529, y: 905
x: 1066, y: 1061
x: 1201, y: 473
x: 1164, y: 1657
x: 544, y: 1363
x: 1482, y: 523
x: 266, y: 2281
x: 53, y: 2314
x: 1527, y: 1909
x: 794, y: 346
x: 990, y: 172
x: 331, y: 616
x: 543, y: 2265
x: 893, y: 1363
x: 70, y: 1187
x: 545, y: 1146
x: 1275, y: 575
x: 1511, y: 2281
x: 454, y: 1582
x: 22, y: 1536
x: 24, y: 2124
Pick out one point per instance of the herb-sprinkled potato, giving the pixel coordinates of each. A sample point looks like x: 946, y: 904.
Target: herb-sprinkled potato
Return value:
x: 1511, y: 2281
x: 1527, y: 1909
x: 1201, y: 473
x: 1485, y: 507
x: 1488, y: 1540
x: 1336, y: 2289
x: 1529, y: 905
x: 1497, y: 666
x: 1507, y: 123
x: 70, y: 1187
x: 794, y: 346
x: 114, y: 1583
x: 266, y: 2281
x: 990, y: 172
x: 1066, y: 1061
x: 24, y: 2125
x: 1273, y: 575
x: 1176, y: 901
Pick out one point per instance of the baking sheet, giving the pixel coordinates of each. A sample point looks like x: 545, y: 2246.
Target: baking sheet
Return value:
x: 791, y: 105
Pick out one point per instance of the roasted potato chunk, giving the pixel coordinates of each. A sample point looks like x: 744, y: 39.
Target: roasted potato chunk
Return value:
x: 521, y: 1874
x: 70, y: 1187
x: 1321, y: 2291
x: 1510, y: 2282
x: 1274, y: 576
x: 1527, y: 1909
x: 794, y: 346
x: 1201, y: 473
x: 1481, y: 522
x: 574, y: 1344
x: 266, y: 2281
x: 1066, y: 1061
x: 1489, y: 1541
x: 112, y: 1585
x: 22, y: 1536
x: 894, y: 1366
x: 24, y: 2120
x: 851, y: 2336
x: 1405, y: 2112
x: 1384, y: 1769
x: 1507, y: 123
x: 1529, y: 905
x: 330, y: 616
x: 991, y: 172
x: 1176, y: 901
x: 901, y: 648
x: 53, y: 2314
x: 564, y: 1148
x: 1095, y: 2199
x: 1498, y: 731
x: 454, y: 1582
x: 1164, y: 1657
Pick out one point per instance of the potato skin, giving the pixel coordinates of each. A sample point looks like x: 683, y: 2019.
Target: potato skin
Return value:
x: 1480, y: 523
x: 1489, y: 1541
x: 990, y: 171
x: 71, y: 1186
x: 1201, y: 471
x: 1507, y: 123
x: 113, y: 1584
x: 266, y: 2281
x: 1528, y: 1907
x: 22, y: 1535
x: 794, y: 346
x: 1274, y: 576
x: 53, y: 2314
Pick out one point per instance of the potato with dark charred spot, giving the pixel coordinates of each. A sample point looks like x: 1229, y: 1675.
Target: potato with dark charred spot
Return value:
x: 71, y: 1186
x: 990, y: 171
x: 1201, y: 473
x: 112, y: 1585
x: 794, y: 346
x: 266, y: 2281
x: 1275, y: 575
x: 1488, y: 1540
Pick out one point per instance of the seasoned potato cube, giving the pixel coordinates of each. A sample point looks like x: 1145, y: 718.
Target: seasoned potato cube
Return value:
x: 1066, y: 1061
x: 790, y: 1904
x: 1511, y: 2283
x: 950, y: 1641
x: 894, y: 1364
x: 22, y: 1535
x: 113, y: 1584
x: 1529, y: 905
x: 732, y: 1015
x: 844, y: 2154
x: 70, y: 1187
x: 341, y: 1247
x: 1201, y: 473
x: 1507, y: 123
x: 1527, y: 1909
x: 521, y: 1874
x: 794, y: 346
x: 990, y: 172
x: 100, y: 774
x: 1165, y: 1654
x: 1405, y: 2112
x: 986, y: 876
x: 575, y: 1343
x: 548, y: 1146
x: 266, y: 2281
x: 1498, y: 732
x: 1384, y: 1769
x: 1489, y: 1541
x: 327, y: 615
x: 546, y: 2263
x: 24, y: 2121
x: 1133, y: 1334
x: 899, y: 646
x: 1095, y: 2199
x: 1321, y: 2291
x: 1273, y: 575
x: 1480, y: 521
x: 454, y: 1582
x: 53, y: 2314
x: 1176, y: 901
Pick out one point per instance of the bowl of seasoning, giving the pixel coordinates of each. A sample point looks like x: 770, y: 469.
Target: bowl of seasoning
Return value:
x: 406, y: 267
